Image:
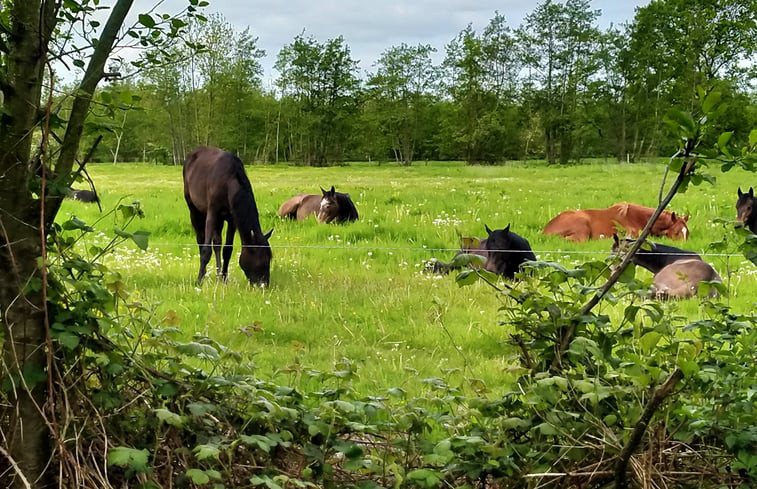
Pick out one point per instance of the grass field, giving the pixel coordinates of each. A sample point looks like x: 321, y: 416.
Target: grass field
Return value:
x: 357, y: 292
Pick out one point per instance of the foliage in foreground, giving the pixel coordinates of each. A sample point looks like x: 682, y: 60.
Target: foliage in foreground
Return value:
x: 135, y: 406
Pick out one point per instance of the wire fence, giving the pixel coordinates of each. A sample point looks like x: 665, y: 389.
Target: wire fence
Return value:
x: 424, y: 249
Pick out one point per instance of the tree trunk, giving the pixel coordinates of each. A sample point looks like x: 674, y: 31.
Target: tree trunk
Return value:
x: 24, y: 353
x: 23, y: 226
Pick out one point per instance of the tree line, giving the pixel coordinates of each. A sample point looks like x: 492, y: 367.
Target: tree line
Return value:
x: 557, y: 88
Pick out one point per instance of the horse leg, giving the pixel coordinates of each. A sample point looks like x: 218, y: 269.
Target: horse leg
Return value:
x: 198, y: 223
x: 217, y: 245
x: 228, y: 248
x: 206, y: 247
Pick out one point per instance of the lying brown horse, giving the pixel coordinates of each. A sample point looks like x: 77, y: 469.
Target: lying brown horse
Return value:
x: 217, y: 190
x: 580, y: 225
x: 681, y: 279
x: 331, y: 206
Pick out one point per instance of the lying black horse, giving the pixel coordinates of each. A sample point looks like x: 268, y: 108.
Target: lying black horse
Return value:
x: 87, y: 196
x: 331, y: 206
x: 506, y: 252
x: 652, y: 256
x: 217, y: 190
x: 745, y: 213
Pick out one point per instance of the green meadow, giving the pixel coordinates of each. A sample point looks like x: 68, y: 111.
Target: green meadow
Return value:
x: 356, y: 295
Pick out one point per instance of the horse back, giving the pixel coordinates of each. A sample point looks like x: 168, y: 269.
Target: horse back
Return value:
x: 208, y: 173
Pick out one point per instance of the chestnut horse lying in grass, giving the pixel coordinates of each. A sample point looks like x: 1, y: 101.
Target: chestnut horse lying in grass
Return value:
x: 580, y: 225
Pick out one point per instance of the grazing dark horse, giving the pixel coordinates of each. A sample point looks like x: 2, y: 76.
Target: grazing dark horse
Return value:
x: 681, y: 279
x: 745, y: 212
x: 331, y: 206
x: 580, y: 225
x: 217, y: 190
x: 653, y: 256
x: 506, y: 251
x: 468, y: 246
x: 87, y: 196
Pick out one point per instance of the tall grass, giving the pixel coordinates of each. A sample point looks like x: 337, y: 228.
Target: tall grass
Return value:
x: 357, y: 293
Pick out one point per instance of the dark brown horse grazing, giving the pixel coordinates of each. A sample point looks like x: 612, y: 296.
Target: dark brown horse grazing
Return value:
x: 681, y: 279
x: 331, y: 206
x: 507, y: 252
x: 653, y: 256
x: 217, y: 190
x: 580, y: 225
x: 745, y: 210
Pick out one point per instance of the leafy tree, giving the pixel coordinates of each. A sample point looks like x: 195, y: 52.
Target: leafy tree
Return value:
x: 321, y: 81
x: 560, y: 42
x: 675, y: 46
x: 481, y: 79
x: 403, y: 88
x: 33, y: 34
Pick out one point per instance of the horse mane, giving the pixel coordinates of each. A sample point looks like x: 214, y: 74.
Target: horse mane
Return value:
x: 243, y: 208
x: 347, y: 209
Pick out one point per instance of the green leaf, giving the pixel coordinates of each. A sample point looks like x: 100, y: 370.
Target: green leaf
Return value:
x: 466, y: 259
x: 753, y: 137
x: 128, y: 458
x: 67, y: 339
x: 546, y: 429
x: 198, y: 350
x: 198, y: 476
x: 724, y: 138
x: 648, y: 342
x: 170, y: 418
x: 466, y: 277
x: 76, y: 223
x: 147, y: 21
x: 710, y: 101
x: 689, y: 367
x: 425, y: 477
x: 204, y: 452
x: 682, y: 120
x: 140, y: 239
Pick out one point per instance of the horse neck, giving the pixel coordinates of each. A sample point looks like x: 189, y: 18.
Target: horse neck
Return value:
x: 244, y: 212
x: 650, y: 260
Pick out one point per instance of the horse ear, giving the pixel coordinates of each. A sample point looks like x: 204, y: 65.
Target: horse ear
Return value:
x: 507, y: 229
x: 740, y: 192
x: 488, y: 231
x: 686, y: 218
x: 673, y: 216
x: 751, y: 192
x: 323, y: 191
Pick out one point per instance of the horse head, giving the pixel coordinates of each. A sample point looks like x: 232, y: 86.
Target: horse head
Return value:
x: 672, y: 226
x: 744, y: 207
x: 255, y: 259
x: 329, y: 205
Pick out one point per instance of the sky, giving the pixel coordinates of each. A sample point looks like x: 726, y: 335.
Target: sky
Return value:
x: 370, y: 27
